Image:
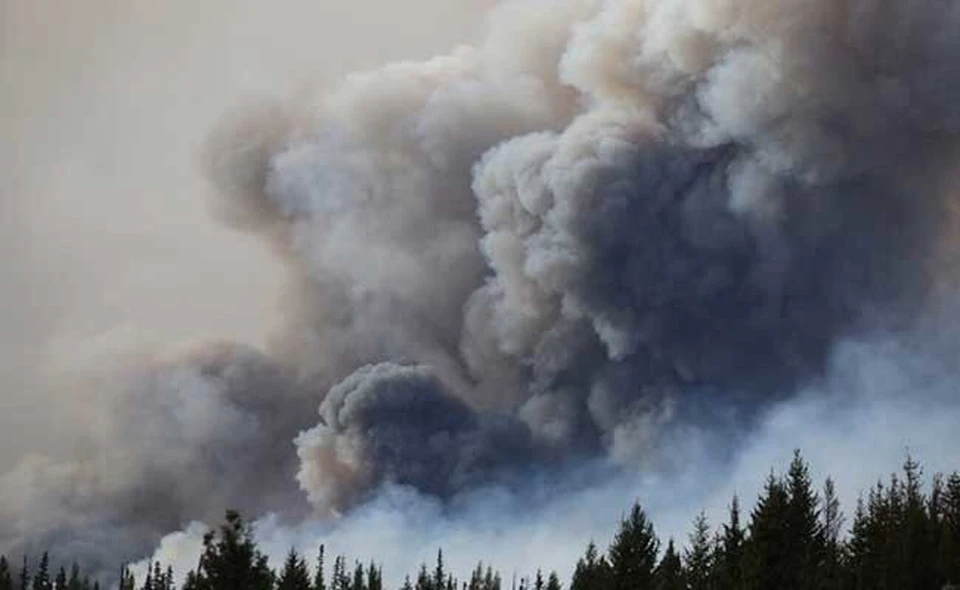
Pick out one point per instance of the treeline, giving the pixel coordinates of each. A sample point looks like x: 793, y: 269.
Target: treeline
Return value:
x: 904, y: 535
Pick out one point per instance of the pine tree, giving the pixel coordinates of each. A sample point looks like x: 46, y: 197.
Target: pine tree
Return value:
x: 669, y: 573
x: 729, y: 560
x: 698, y: 559
x: 359, y: 580
x: 75, y: 582
x: 592, y: 571
x: 633, y: 554
x: 374, y: 577
x: 148, y: 580
x: 950, y: 527
x: 553, y: 581
x: 916, y: 536
x: 41, y: 580
x: 424, y: 581
x: 833, y: 559
x: 294, y: 575
x: 439, y: 577
x: 24, y: 577
x: 318, y: 576
x: 6, y: 578
x: 805, y: 547
x: 231, y: 559
x: 766, y: 560
x: 538, y: 580
x: 406, y: 583
x: 127, y: 582
x: 60, y: 582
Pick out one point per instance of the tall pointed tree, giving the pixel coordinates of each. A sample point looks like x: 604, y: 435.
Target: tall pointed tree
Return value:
x: 633, y: 554
x: 592, y: 571
x: 730, y: 551
x: 6, y: 576
x: 319, y: 575
x: 698, y: 559
x: 24, y: 577
x: 669, y: 573
x: 41, y: 580
x: 294, y: 575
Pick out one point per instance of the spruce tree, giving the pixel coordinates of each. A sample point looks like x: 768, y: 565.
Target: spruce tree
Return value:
x: 318, y: 576
x: 804, y: 542
x: 669, y: 573
x: 729, y: 560
x: 60, y: 582
x: 950, y: 527
x: 24, y: 577
x: 439, y: 577
x: 592, y: 571
x: 424, y: 581
x: 374, y: 577
x: 75, y: 582
x: 698, y: 559
x: 231, y: 559
x: 41, y: 580
x: 294, y: 575
x: 766, y: 558
x: 633, y: 554
x: 832, y: 577
x: 553, y: 581
x: 6, y: 577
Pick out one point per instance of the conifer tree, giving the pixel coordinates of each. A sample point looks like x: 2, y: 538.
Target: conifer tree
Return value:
x: 74, y: 582
x: 374, y: 577
x: 804, y: 541
x: 633, y: 554
x: 553, y: 581
x: 833, y: 559
x: 127, y: 582
x: 294, y: 575
x: 24, y: 577
x: 359, y: 579
x: 424, y: 581
x: 6, y: 578
x: 60, y: 582
x: 729, y: 558
x: 318, y: 576
x: 698, y: 559
x: 766, y: 559
x: 439, y: 577
x: 592, y: 571
x: 231, y: 559
x: 950, y: 527
x: 669, y: 573
x: 41, y: 580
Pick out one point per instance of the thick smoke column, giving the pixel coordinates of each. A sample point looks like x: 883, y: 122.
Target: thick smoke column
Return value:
x: 609, y: 220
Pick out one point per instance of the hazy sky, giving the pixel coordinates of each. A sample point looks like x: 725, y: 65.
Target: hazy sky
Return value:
x: 103, y: 107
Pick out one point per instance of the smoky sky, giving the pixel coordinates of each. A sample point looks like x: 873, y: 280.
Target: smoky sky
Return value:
x: 601, y: 225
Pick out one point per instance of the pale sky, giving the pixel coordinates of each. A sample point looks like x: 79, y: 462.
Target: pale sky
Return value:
x: 104, y: 226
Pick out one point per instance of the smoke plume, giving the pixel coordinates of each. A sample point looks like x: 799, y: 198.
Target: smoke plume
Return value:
x: 606, y: 227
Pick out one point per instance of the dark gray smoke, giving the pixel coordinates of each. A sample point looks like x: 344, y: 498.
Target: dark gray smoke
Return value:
x: 607, y: 222
x: 393, y: 423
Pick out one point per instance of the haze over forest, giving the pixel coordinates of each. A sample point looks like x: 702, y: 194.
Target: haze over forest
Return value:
x: 464, y: 275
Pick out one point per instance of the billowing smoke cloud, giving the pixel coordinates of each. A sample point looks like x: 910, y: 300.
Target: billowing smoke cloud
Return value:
x: 393, y: 423
x: 607, y: 225
x: 185, y: 438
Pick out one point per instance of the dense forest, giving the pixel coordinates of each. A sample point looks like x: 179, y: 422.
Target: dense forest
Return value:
x: 904, y: 534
